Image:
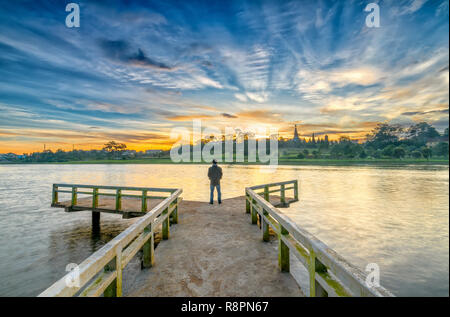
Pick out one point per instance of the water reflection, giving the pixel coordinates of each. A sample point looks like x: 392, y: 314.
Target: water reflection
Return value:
x: 394, y: 216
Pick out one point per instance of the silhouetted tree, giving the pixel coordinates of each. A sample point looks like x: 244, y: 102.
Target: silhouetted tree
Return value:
x: 399, y: 152
x: 422, y: 132
x: 384, y: 134
x: 426, y: 152
x: 441, y: 149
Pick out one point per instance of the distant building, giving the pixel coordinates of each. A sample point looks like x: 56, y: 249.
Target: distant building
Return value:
x: 129, y: 153
x: 153, y: 151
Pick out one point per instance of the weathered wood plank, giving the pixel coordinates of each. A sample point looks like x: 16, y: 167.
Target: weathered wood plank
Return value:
x: 144, y: 201
x: 100, y: 284
x: 283, y: 252
x: 94, y: 198
x: 119, y: 271
x: 153, y: 189
x: 283, y: 195
x: 175, y: 211
x: 131, y: 250
x: 74, y: 196
x: 166, y: 224
x: 55, y: 195
x: 148, y: 259
x: 118, y: 199
x: 111, y: 289
x: 271, y: 185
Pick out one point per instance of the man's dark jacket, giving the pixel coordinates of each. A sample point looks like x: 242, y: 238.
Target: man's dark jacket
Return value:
x: 215, y: 174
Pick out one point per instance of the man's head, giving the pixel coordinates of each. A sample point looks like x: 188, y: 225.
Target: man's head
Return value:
x: 214, y: 162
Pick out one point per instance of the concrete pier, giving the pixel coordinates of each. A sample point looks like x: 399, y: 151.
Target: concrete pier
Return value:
x: 215, y: 251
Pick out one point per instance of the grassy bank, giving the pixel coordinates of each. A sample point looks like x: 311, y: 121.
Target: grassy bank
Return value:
x: 282, y: 161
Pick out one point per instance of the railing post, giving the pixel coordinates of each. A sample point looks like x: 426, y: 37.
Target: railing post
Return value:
x: 111, y: 290
x: 94, y: 198
x: 166, y: 225
x: 312, y: 273
x: 95, y: 214
x: 315, y: 266
x: 119, y: 271
x: 283, y: 251
x: 283, y: 195
x: 148, y: 249
x: 144, y: 201
x: 296, y: 189
x: 74, y: 196
x: 265, y: 226
x: 118, y: 199
x: 247, y: 202
x: 320, y: 268
x: 55, y: 195
x: 266, y: 193
x: 175, y: 213
x: 254, y: 212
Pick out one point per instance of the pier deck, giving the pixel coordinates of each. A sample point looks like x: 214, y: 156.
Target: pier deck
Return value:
x: 215, y: 251
x: 211, y: 251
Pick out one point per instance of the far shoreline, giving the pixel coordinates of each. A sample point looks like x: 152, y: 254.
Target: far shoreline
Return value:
x: 293, y: 162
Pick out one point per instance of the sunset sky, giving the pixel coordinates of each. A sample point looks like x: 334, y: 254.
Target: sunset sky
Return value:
x: 134, y: 70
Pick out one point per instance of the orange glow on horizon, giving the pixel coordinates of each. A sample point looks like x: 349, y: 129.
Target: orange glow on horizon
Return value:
x: 160, y: 144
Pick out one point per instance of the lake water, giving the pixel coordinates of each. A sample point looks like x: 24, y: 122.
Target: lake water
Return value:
x: 396, y: 217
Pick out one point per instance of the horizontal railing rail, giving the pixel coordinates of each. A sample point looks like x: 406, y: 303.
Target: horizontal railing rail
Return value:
x: 281, y: 187
x: 170, y: 190
x: 101, y: 273
x: 74, y: 190
x: 329, y: 273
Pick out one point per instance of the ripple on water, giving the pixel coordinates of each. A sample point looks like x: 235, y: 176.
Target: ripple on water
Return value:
x: 394, y: 216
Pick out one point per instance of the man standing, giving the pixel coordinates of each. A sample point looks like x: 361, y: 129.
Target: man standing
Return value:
x: 215, y: 174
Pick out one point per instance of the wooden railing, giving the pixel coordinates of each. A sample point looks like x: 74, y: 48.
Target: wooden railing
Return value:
x: 94, y: 191
x: 329, y: 273
x: 101, y: 273
x: 281, y: 187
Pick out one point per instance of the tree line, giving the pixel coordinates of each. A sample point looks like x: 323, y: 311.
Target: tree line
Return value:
x: 417, y: 141
x: 393, y: 141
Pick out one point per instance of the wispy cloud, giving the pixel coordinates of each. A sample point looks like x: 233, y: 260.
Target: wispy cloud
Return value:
x: 120, y: 51
x: 153, y: 66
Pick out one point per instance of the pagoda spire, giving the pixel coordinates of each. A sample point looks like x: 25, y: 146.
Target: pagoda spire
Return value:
x: 296, y: 138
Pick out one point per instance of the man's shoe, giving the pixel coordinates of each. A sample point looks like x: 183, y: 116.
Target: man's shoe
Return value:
x: 220, y: 202
x: 211, y: 203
